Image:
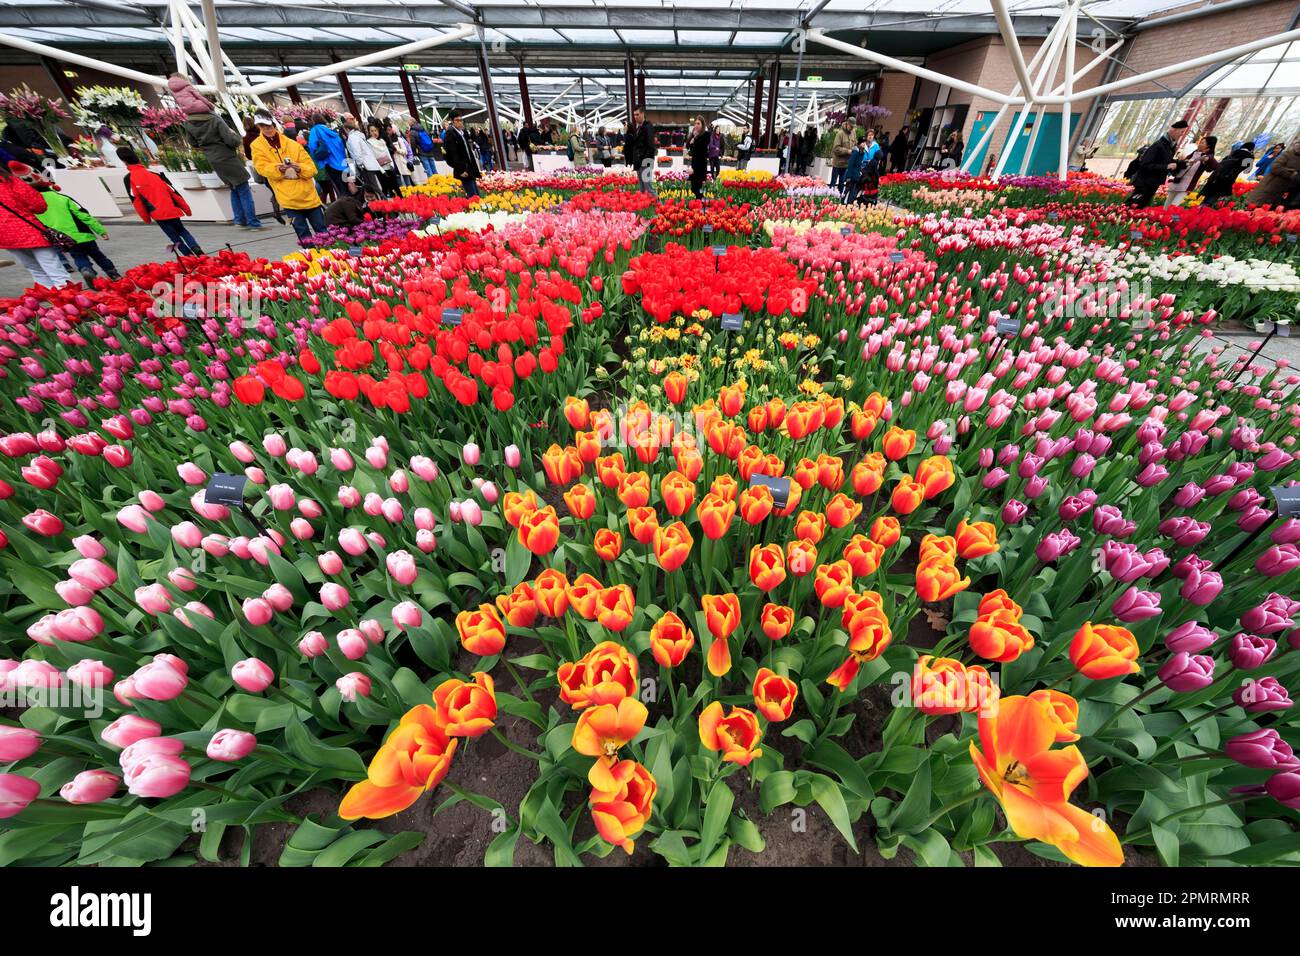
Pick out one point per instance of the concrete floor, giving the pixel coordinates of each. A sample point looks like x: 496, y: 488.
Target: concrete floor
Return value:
x: 134, y: 243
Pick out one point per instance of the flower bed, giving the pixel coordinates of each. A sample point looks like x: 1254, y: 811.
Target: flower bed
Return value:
x: 942, y: 527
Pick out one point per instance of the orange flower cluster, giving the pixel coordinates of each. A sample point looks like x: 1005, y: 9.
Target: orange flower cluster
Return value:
x: 603, y: 686
x: 934, y: 475
x: 997, y: 634
x: 1034, y: 782
x: 417, y: 754
x: 937, y: 577
x: 869, y: 634
x: 943, y: 685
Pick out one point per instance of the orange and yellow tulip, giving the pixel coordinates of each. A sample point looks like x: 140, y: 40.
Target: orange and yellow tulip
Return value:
x: 977, y: 539
x: 725, y: 487
x: 766, y: 566
x: 938, y: 685
x: 642, y: 523
x: 678, y: 493
x: 551, y: 589
x: 938, y: 581
x: 577, y: 412
x: 731, y: 399
x: 584, y: 591
x: 539, y: 531
x: 605, y: 729
x: 604, y: 675
x: 833, y: 583
x: 675, y: 387
x: 842, y: 510
x: 756, y: 504
x: 863, y: 555
x: 715, y: 515
x: 519, y: 607
x: 671, y: 640
x: 1064, y: 711
x: 481, y: 632
x: 412, y: 761
x: 776, y: 621
x: 615, y: 607
x: 810, y: 526
x: 611, y: 469
x: 634, y: 489
x: 1101, y: 651
x: 736, y: 736
x: 581, y: 502
x: 515, y: 505
x: 774, y: 694
x: 622, y: 799
x: 898, y: 442
x: 800, y: 557
x: 999, y: 637
x: 1034, y: 783
x: 672, y: 546
x: 886, y: 531
x: 607, y: 544
x: 908, y: 495
x: 466, y: 709
x: 935, y: 475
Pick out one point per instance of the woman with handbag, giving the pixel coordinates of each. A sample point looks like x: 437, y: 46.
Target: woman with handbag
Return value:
x: 34, y: 246
x: 383, y: 156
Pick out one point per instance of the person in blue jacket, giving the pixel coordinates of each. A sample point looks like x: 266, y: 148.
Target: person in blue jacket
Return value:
x: 325, y: 147
x: 1265, y: 161
x: 853, y: 171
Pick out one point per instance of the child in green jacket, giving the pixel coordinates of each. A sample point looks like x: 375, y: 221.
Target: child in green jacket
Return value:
x: 64, y: 214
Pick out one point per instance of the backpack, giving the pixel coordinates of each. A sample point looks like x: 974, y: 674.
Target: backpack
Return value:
x: 1132, y: 168
x: 425, y: 141
x: 568, y: 150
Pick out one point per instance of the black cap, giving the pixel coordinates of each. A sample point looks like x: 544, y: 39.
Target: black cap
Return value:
x: 1181, y: 124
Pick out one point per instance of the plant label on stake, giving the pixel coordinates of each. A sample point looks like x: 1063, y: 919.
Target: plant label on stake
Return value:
x: 708, y: 229
x: 354, y: 251
x: 452, y: 317
x: 895, y: 257
x: 226, y: 490
x: 1008, y: 325
x: 733, y: 321
x: 780, y: 488
x: 719, y: 251
x: 846, y: 230
x: 1287, y: 501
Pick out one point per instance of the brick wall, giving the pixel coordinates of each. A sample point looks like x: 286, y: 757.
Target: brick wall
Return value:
x: 1160, y: 46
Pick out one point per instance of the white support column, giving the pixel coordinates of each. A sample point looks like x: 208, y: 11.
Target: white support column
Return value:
x: 1008, y: 31
x: 1063, y: 167
x: 1050, y: 51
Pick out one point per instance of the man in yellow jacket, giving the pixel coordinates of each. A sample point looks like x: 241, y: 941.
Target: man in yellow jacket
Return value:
x: 290, y: 172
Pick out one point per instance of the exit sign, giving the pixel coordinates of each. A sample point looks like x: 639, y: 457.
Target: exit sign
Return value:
x: 814, y: 79
x: 411, y: 67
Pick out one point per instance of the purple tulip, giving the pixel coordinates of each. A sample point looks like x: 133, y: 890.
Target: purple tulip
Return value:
x: 1285, y: 788
x: 1108, y: 519
x: 1083, y: 466
x: 1185, y: 531
x: 1035, y: 487
x: 994, y: 478
x: 1014, y: 511
x: 1184, y: 673
x: 1188, y: 564
x: 1218, y: 484
x: 1260, y: 696
x: 1273, y: 614
x: 1056, y: 546
x: 1123, y: 561
x: 1278, y: 560
x: 1075, y: 507
x: 1254, y: 518
x: 1151, y: 475
x: 1189, y: 495
x: 1135, y: 605
x: 1190, y: 638
x: 1261, y: 750
x: 1201, y: 587
x: 1287, y: 532
x: 1246, y: 651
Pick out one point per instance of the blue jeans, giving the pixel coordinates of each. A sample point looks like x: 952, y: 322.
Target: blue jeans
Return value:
x: 241, y: 206
x: 470, y: 186
x: 86, y: 253
x: 429, y: 168
x: 306, y: 221
x: 185, y: 244
x: 837, y: 176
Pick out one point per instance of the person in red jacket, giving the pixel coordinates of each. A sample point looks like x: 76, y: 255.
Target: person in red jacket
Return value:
x: 156, y: 200
x: 21, y: 234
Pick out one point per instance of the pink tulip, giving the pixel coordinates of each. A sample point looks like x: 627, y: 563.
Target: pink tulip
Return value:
x: 353, y: 685
x: 18, y: 743
x: 16, y: 793
x: 407, y: 614
x: 74, y: 593
x: 275, y: 445
x: 242, y: 451
x: 352, y: 643
x: 153, y: 599
x: 513, y: 456
x: 279, y: 597
x: 230, y: 745
x: 330, y: 563
x: 426, y: 541
x: 90, y: 674
x: 191, y: 473
x: 134, y: 518
x: 401, y: 566
x: 313, y: 644
x: 90, y: 786
x: 281, y: 497
x: 125, y: 731
x: 353, y: 541
x: 398, y: 482
x: 340, y: 459
x: 159, y: 680
x: 258, y: 611
x: 349, y: 497
x: 471, y: 454
x: 182, y: 579
x: 377, y: 457
x: 252, y: 675
x: 424, y: 468
x: 36, y: 675
x: 89, y: 547
x: 77, y: 624
x: 157, y: 775
x: 334, y: 596
x: 92, y: 573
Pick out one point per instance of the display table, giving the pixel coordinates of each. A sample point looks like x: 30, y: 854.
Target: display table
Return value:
x: 549, y: 162
x: 96, y: 189
x: 770, y: 164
